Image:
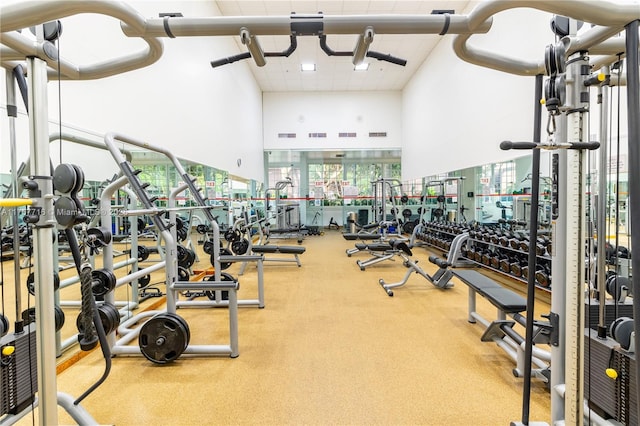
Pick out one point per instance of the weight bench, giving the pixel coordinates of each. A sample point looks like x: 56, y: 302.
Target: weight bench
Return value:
x: 440, y: 279
x: 500, y: 331
x: 296, y: 251
x: 382, y: 251
x: 361, y: 236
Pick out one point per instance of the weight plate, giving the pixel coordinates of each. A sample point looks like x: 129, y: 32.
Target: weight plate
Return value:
x: 183, y: 274
x: 64, y: 178
x: 223, y: 265
x: 224, y: 276
x: 31, y: 283
x: 240, y: 247
x: 143, y: 253
x: 66, y: 211
x: 207, y: 247
x: 4, y: 325
x: 102, y: 281
x: 164, y: 338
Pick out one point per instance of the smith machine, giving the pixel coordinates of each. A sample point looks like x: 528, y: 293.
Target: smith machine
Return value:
x: 43, y: 63
x: 571, y: 71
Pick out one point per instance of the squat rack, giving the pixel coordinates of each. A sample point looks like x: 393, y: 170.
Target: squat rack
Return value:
x: 43, y: 62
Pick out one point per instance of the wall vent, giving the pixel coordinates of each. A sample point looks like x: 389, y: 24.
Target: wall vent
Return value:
x: 377, y: 134
x: 347, y: 134
x: 317, y: 135
x: 286, y: 135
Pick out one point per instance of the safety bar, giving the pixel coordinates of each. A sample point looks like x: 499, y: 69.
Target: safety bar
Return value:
x: 611, y: 15
x: 21, y: 15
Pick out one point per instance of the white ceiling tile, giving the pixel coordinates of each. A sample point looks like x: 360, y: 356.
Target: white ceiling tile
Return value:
x: 336, y: 72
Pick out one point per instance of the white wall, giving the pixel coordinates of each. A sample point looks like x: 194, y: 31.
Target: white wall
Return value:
x: 456, y: 114
x: 332, y: 112
x: 212, y: 116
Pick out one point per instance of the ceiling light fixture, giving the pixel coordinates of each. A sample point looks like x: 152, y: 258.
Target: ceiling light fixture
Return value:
x: 308, y: 67
x: 361, y: 67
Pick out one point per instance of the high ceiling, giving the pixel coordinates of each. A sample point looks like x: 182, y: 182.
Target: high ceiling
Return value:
x: 337, y: 73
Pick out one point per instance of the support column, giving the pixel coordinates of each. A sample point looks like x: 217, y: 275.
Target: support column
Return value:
x: 633, y: 112
x: 44, y: 225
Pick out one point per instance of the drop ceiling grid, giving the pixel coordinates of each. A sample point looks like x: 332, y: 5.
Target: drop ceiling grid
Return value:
x: 337, y: 73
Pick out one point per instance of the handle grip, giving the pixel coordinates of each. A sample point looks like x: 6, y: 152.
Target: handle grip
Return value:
x: 507, y: 145
x: 230, y: 59
x: 382, y: 57
x: 584, y: 145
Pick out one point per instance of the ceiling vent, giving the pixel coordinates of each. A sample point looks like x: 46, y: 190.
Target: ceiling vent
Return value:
x: 377, y: 134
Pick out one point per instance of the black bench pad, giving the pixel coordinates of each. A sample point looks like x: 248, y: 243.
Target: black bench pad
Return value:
x: 475, y: 280
x: 374, y: 246
x: 502, y: 298
x: 279, y: 249
x: 506, y: 300
x: 351, y: 236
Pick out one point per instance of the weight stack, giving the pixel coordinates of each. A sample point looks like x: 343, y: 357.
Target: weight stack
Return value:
x: 18, y: 373
x: 601, y: 391
x: 591, y: 312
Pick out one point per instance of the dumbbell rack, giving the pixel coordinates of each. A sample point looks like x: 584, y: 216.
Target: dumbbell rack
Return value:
x: 508, y: 256
x: 489, y: 247
x: 439, y: 235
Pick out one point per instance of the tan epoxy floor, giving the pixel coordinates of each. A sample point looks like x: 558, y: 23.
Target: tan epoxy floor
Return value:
x: 330, y: 348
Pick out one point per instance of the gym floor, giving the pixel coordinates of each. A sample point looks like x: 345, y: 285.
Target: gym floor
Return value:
x: 330, y: 347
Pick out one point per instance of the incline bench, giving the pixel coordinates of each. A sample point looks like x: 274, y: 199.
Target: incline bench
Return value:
x: 501, y: 330
x: 381, y: 251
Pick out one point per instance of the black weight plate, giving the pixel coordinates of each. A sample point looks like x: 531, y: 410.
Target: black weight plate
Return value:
x: 143, y: 253
x: 181, y: 234
x: 240, y: 247
x: 144, y: 281
x: 164, y: 338
x: 59, y: 317
x: 109, y: 317
x: 64, y: 178
x: 224, y: 276
x: 66, y: 211
x: 223, y: 265
x: 181, y: 253
x: 31, y: 283
x: 103, y: 281
x: 100, y: 233
x: 4, y: 325
x: 207, y: 247
x: 201, y: 229
x: 183, y: 274
x: 79, y: 179
x: 29, y: 316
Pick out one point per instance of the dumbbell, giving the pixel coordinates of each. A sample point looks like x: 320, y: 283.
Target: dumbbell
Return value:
x: 486, y: 258
x: 495, y: 261
x: 543, y: 276
x: 478, y: 256
x: 505, y: 264
x: 516, y: 267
